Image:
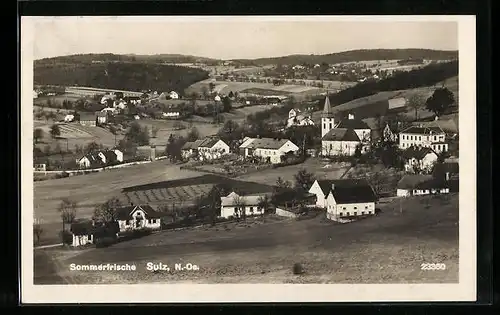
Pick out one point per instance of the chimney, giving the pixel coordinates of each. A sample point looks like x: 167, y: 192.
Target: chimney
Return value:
x: 447, y: 176
x: 333, y: 186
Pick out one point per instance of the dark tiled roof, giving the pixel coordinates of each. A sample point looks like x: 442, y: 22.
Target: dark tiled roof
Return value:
x: 417, y: 152
x: 353, y: 124
x: 208, y: 142
x: 82, y: 228
x: 423, y: 130
x: 87, y: 116
x: 94, y: 159
x: 188, y: 145
x: 267, y: 143
x: 419, y: 181
x: 125, y: 213
x: 341, y: 134
x: 349, y: 190
x: 110, y: 156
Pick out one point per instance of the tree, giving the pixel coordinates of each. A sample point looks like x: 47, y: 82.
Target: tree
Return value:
x: 37, y: 135
x: 92, y: 147
x: 204, y: 92
x: 231, y: 94
x: 240, y: 205
x: 226, y: 104
x: 303, y: 180
x: 137, y: 134
x: 440, y: 101
x: 154, y: 131
x: 67, y: 210
x: 264, y: 203
x: 114, y: 131
x: 193, y: 134
x: 55, y: 131
x: 416, y: 102
x: 37, y: 231
x: 106, y: 212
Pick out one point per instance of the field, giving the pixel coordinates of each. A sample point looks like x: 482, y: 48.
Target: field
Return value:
x: 387, y: 248
x: 322, y: 170
x: 93, y: 189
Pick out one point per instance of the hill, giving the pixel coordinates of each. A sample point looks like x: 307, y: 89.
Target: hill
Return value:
x: 96, y: 58
x: 115, y: 73
x: 357, y: 55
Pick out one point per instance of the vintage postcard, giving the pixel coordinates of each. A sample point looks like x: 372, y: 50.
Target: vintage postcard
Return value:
x: 248, y: 159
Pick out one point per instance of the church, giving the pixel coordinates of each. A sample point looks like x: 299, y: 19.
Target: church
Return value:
x: 344, y: 137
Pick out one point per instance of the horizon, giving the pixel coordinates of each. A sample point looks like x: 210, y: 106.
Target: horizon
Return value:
x: 267, y: 57
x: 228, y: 38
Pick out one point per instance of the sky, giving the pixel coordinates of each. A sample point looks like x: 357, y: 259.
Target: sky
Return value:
x: 236, y: 37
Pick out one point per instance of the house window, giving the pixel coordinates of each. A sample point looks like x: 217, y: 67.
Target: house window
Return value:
x: 366, y: 207
x: 355, y: 208
x: 369, y: 212
x: 127, y: 222
x: 355, y: 213
x: 419, y: 138
x: 343, y: 208
x: 341, y: 213
x: 251, y: 209
x: 403, y: 137
x: 435, y: 138
x: 347, y: 213
x: 362, y: 212
x: 330, y: 125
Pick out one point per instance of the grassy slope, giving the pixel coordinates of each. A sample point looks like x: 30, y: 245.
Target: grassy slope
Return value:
x: 388, y: 248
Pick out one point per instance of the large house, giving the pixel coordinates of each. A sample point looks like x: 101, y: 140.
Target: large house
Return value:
x: 432, y: 137
x: 268, y: 149
x: 205, y: 149
x: 344, y: 198
x: 297, y: 118
x: 419, y: 160
x: 345, y: 137
x: 83, y: 233
x: 420, y: 184
x: 135, y: 217
x: 234, y: 204
x: 88, y: 119
x: 100, y: 158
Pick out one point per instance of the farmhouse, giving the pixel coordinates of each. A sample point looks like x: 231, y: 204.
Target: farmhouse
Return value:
x: 100, y: 158
x: 138, y: 217
x: 297, y: 118
x: 83, y: 233
x: 88, y: 119
x: 419, y: 160
x: 418, y: 184
x: 234, y: 205
x: 344, y: 198
x: 345, y: 137
x: 205, y: 149
x: 432, y: 137
x: 268, y: 149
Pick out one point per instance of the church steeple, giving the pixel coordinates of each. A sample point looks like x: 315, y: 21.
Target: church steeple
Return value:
x: 327, y: 119
x: 327, y: 109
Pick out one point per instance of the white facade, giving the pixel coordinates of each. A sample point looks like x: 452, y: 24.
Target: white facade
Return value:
x: 423, y: 165
x: 69, y: 118
x: 81, y: 240
x: 250, y: 204
x: 320, y: 196
x: 420, y: 192
x: 119, y: 155
x: 216, y: 151
x: 335, y: 210
x: 285, y: 213
x: 274, y: 155
x: 327, y: 124
x: 171, y: 115
x: 134, y: 224
x: 365, y: 135
x: 329, y: 148
x: 407, y: 140
x: 84, y: 162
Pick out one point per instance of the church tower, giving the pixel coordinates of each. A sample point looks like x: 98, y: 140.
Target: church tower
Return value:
x: 327, y: 120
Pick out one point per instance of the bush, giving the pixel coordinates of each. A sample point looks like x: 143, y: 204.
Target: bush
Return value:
x: 62, y: 175
x: 66, y: 237
x: 105, y: 241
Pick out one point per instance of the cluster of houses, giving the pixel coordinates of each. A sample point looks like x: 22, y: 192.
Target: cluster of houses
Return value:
x: 99, y: 159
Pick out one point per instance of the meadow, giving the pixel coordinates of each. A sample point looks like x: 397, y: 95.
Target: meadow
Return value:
x: 387, y: 248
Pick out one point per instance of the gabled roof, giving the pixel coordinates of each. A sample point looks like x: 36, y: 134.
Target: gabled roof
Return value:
x: 341, y: 134
x: 249, y: 200
x: 87, y: 116
x: 110, y: 156
x: 267, y: 143
x: 93, y: 158
x: 417, y: 152
x: 353, y: 124
x: 208, y: 142
x: 423, y: 130
x: 419, y: 181
x: 82, y: 228
x: 188, y: 145
x: 125, y: 213
x: 349, y: 190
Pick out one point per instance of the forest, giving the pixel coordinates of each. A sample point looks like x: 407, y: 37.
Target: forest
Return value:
x: 132, y: 76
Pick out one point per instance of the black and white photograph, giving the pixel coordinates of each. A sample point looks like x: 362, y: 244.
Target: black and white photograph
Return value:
x: 234, y: 159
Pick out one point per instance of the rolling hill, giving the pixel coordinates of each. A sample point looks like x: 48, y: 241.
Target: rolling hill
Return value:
x: 357, y: 55
x: 93, y: 58
x: 116, y: 72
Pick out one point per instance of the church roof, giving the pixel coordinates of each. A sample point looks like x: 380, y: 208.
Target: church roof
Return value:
x: 327, y: 109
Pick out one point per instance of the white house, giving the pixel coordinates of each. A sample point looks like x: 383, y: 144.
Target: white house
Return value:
x: 205, y: 149
x: 83, y: 233
x: 432, y: 137
x: 174, y: 114
x: 174, y: 95
x: 69, y: 118
x: 344, y: 198
x: 419, y: 160
x: 297, y: 118
x: 419, y: 184
x: 119, y: 155
x: 100, y: 158
x: 268, y: 149
x: 233, y: 205
x: 345, y: 137
x: 138, y: 217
